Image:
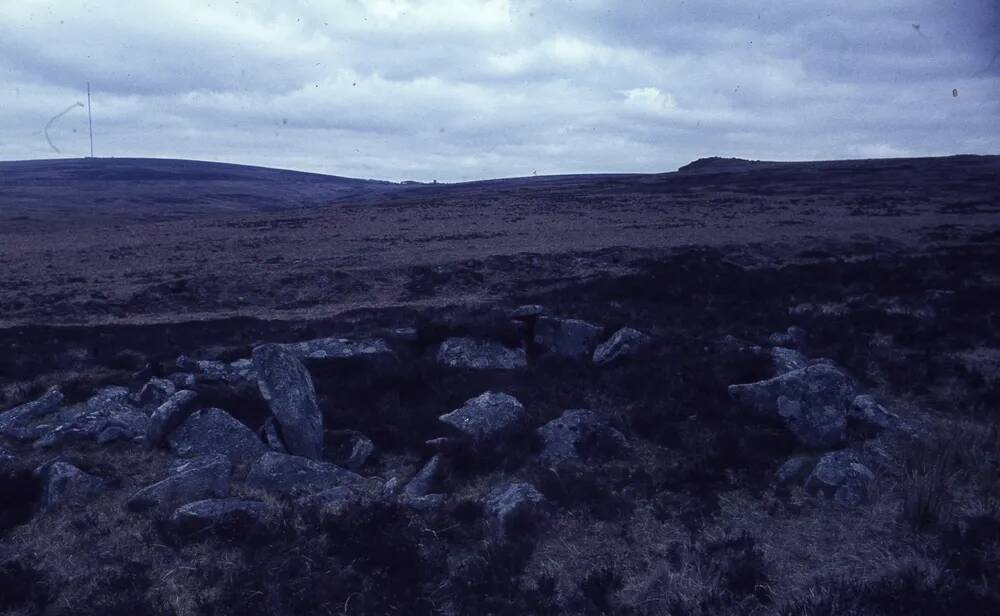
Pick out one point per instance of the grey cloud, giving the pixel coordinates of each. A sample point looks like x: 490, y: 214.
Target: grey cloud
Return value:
x: 433, y: 90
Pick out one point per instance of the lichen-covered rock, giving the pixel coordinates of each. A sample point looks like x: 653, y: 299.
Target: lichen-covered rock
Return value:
x: 353, y: 449
x: 16, y: 422
x: 422, y: 491
x: 155, y: 392
x: 7, y: 462
x: 104, y: 417
x: 338, y: 348
x: 210, y: 370
x: 567, y: 337
x: 200, y: 478
x: 840, y: 475
x: 169, y: 415
x: 295, y: 475
x: 625, y: 341
x: 219, y: 516
x: 514, y: 504
x: 578, y: 432
x: 794, y: 470
x: 787, y: 360
x: 811, y: 401
x: 480, y: 355
x: 288, y: 389
x: 793, y: 337
x: 866, y: 410
x: 214, y: 431
x: 64, y: 484
x: 182, y: 380
x: 487, y: 417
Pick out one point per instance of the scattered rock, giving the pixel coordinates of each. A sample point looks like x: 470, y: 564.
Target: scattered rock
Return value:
x: 787, y: 360
x: 793, y: 337
x: 569, y: 436
x: 206, y: 477
x: 106, y: 416
x: 625, y: 341
x: 214, y: 431
x: 812, y: 402
x: 15, y: 422
x: 287, y: 387
x: 218, y: 371
x: 528, y: 311
x: 271, y: 432
x: 480, y: 355
x: 425, y: 482
x: 841, y: 476
x: 868, y: 412
x: 353, y: 449
x: 155, y: 392
x: 64, y: 484
x: 338, y: 348
x: 794, y: 470
x: 295, y: 475
x: 182, y: 380
x: 219, y: 516
x: 511, y: 505
x: 567, y: 337
x: 169, y: 415
x: 487, y: 417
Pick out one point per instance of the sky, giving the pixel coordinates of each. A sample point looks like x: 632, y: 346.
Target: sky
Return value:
x: 454, y: 90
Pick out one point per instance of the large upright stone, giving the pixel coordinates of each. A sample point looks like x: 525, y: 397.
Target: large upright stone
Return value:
x: 567, y: 337
x: 214, y: 431
x: 812, y: 401
x: 295, y: 475
x: 480, y: 355
x: 487, y: 417
x: 15, y: 422
x: 287, y: 387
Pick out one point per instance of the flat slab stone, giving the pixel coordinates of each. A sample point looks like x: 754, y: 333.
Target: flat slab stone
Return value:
x: 219, y: 515
x: 214, y: 431
x: 197, y: 479
x: 487, y: 417
x: 480, y: 355
x: 567, y: 337
x: 337, y: 348
x: 295, y: 475
x: 288, y: 389
x: 104, y: 417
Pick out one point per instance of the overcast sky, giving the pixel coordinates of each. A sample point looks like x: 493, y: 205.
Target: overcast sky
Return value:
x: 465, y: 89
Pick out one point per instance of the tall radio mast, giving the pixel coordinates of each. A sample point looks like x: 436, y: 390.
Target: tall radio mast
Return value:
x: 90, y: 122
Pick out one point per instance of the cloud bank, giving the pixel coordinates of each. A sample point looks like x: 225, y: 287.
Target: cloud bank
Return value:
x: 466, y: 89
